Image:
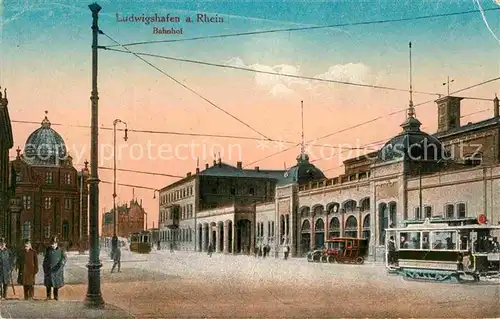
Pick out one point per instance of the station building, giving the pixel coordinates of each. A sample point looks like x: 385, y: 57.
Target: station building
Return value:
x: 452, y: 174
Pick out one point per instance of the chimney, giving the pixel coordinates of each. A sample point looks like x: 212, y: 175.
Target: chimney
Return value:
x: 197, y: 170
x: 448, y: 113
x: 220, y: 162
x: 206, y: 165
x: 239, y: 165
x: 215, y: 162
x: 257, y: 168
x: 188, y: 174
x: 496, y: 106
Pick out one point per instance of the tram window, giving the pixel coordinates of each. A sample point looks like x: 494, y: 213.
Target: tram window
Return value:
x: 444, y: 240
x: 410, y: 240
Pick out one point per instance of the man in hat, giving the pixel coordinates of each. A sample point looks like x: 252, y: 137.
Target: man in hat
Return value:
x: 7, y: 262
x: 116, y: 259
x: 53, y: 269
x: 27, y: 265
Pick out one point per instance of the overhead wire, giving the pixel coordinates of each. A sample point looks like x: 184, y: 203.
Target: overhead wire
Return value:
x: 376, y: 119
x: 338, y: 25
x: 266, y: 72
x: 186, y: 87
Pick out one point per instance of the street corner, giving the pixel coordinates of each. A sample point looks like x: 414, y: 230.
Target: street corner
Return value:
x: 58, y: 309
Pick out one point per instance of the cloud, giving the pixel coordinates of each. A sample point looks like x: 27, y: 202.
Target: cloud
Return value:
x: 284, y: 85
x: 350, y: 72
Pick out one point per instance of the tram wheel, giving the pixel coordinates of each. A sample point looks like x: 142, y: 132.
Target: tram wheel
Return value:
x: 316, y: 258
x: 360, y: 260
x: 324, y: 258
x: 331, y: 259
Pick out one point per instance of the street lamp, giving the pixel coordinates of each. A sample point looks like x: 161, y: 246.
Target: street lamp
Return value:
x: 94, y: 296
x: 114, y: 241
x: 84, y: 174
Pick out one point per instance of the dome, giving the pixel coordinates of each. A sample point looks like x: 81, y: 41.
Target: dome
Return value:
x: 304, y: 171
x: 45, y: 147
x: 412, y: 144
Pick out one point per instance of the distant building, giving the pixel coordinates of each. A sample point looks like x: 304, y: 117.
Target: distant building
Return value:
x: 6, y: 191
x: 452, y: 175
x: 131, y: 219
x: 48, y: 185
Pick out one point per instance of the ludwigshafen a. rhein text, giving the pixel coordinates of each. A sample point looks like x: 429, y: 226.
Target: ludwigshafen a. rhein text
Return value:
x: 167, y: 18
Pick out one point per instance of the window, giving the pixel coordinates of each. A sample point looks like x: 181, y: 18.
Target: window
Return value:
x: 48, y: 177
x: 410, y: 240
x: 65, y: 230
x: 184, y: 192
x: 417, y: 213
x: 47, y: 231
x: 233, y: 190
x: 27, y: 202
x: 428, y: 211
x: 251, y: 191
x: 27, y: 230
x: 48, y: 202
x: 444, y: 240
x: 67, y: 178
x: 68, y: 204
x: 461, y: 210
x: 19, y: 176
x: 450, y: 211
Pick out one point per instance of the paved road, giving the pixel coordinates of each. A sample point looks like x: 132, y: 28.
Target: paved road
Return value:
x: 193, y: 285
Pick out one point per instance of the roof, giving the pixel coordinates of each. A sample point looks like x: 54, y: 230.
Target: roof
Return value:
x: 225, y: 170
x: 469, y: 127
x: 45, y: 147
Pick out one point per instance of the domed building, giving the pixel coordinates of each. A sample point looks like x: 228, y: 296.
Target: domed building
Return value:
x: 52, y: 191
x: 303, y: 172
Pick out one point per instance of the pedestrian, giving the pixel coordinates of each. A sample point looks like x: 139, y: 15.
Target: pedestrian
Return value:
x: 53, y: 268
x: 7, y: 261
x: 27, y: 265
x: 158, y: 245
x: 171, y: 247
x: 210, y: 250
x: 117, y: 259
x: 287, y: 251
x: 392, y: 251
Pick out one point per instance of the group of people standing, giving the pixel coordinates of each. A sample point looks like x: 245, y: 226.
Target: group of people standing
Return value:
x: 25, y: 261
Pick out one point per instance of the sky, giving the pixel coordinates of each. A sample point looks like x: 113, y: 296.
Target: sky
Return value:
x: 45, y: 64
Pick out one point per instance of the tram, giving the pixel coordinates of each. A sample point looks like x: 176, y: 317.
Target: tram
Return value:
x: 141, y: 242
x: 443, y: 252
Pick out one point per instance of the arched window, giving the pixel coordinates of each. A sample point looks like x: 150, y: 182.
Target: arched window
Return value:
x: 304, y: 212
x: 461, y: 210
x: 393, y: 214
x: 306, y: 227
x: 366, y: 227
x: 351, y: 227
x: 365, y: 205
x: 428, y: 211
x: 334, y: 228
x: 319, y: 229
x: 318, y: 210
x: 450, y: 211
x: 27, y: 230
x: 320, y: 225
x: 383, y: 220
x: 332, y: 208
x: 349, y: 206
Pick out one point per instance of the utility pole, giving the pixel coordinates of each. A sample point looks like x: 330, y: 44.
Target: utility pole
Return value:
x: 447, y: 83
x: 420, y: 208
x: 114, y: 241
x: 94, y: 297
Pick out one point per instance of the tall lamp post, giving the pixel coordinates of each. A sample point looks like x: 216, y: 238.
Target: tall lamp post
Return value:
x: 114, y: 241
x: 94, y: 297
x: 84, y: 174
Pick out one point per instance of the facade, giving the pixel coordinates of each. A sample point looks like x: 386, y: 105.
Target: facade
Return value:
x: 131, y: 218
x: 53, y: 201
x: 6, y: 191
x: 453, y: 174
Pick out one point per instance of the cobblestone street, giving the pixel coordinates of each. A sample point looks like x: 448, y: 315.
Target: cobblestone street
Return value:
x: 194, y: 285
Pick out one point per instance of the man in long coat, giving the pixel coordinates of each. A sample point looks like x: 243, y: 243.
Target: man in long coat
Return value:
x: 53, y: 269
x: 27, y: 265
x: 7, y: 261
